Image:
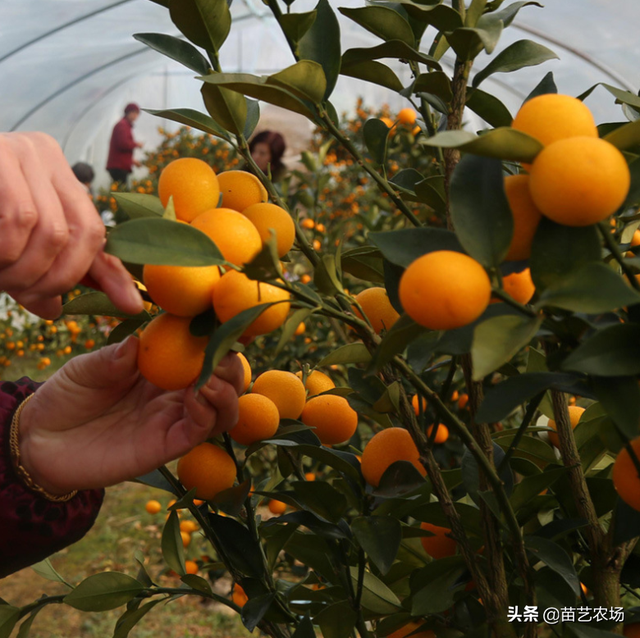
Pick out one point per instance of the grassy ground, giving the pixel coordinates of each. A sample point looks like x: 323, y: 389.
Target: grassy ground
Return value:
x: 123, y: 526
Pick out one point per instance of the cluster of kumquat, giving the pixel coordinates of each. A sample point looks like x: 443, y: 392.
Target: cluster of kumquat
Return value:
x: 184, y: 142
x: 170, y: 356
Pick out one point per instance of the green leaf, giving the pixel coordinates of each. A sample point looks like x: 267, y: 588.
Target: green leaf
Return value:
x: 172, y: 547
x: 531, y: 486
x: 305, y: 79
x: 435, y: 83
x: 176, y: 49
x: 205, y: 22
x: 469, y: 42
x: 337, y: 620
x: 374, y: 72
x: 395, y: 341
x: 403, y: 247
x: 625, y: 137
x: 407, y: 179
x: 547, y: 85
x: 224, y: 338
x: 227, y: 108
x: 104, y: 591
x: 342, y: 462
x: 620, y: 397
x: 529, y: 447
x: 296, y: 25
x: 557, y: 250
x: 471, y: 473
x: 552, y: 555
x: 124, y: 329
x: 258, y: 88
x: 305, y: 629
x: 380, y: 538
x: 627, y: 523
x: 239, y: 545
x: 501, y: 143
x: 290, y: 326
x: 139, y: 205
x: 376, y: 135
x: 519, y: 55
x: 46, y: 570
x: 364, y: 262
x: 396, y: 49
x: 255, y: 609
x: 611, y: 352
x: 25, y: 626
x: 622, y: 97
x: 132, y: 617
x: 503, y: 398
x: 188, y: 117
x: 480, y: 211
x: 497, y: 340
x: 383, y: 22
x: 156, y: 479
x: 399, y: 479
x: 376, y: 596
x: 594, y: 288
x: 321, y: 44
x: 253, y: 117
x: 97, y: 303
x: 509, y: 13
x: 350, y: 353
x: 439, y: 594
x: 231, y: 501
x: 430, y: 191
x: 440, y: 16
x: 326, y: 277
x: 321, y: 498
x: 162, y: 242
x: 9, y: 617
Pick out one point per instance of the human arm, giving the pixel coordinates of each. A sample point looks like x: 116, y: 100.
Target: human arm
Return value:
x: 97, y: 422
x: 32, y: 527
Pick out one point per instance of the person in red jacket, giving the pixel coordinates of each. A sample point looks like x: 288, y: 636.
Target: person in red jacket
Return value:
x: 121, y: 147
x: 96, y: 421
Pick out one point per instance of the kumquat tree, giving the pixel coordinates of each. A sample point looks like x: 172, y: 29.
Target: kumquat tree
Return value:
x: 464, y: 459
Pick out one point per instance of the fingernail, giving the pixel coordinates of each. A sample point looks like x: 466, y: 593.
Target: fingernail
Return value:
x: 135, y: 298
x: 227, y: 360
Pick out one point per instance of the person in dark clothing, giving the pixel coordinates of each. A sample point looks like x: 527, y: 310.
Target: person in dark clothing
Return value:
x: 267, y: 149
x: 120, y: 162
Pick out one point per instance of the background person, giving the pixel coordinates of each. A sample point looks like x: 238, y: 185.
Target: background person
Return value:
x: 120, y: 162
x: 267, y: 149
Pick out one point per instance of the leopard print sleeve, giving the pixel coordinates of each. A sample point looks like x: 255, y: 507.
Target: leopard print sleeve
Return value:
x: 32, y: 527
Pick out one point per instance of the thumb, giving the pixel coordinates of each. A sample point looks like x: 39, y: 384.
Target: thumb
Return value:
x: 111, y: 366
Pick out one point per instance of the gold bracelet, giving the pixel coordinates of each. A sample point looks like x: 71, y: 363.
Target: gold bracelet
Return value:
x: 20, y: 470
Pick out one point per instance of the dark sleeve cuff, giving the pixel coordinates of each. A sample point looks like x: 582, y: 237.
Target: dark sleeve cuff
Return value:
x: 32, y: 527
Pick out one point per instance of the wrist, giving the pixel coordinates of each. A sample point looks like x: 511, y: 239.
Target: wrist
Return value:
x: 31, y: 451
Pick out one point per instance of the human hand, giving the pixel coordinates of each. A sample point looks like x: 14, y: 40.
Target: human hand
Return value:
x: 50, y: 233
x: 139, y: 144
x: 137, y: 164
x: 97, y: 422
